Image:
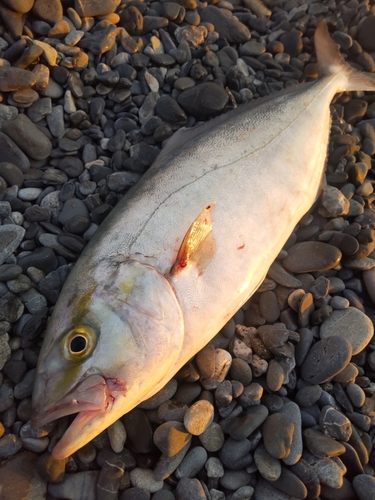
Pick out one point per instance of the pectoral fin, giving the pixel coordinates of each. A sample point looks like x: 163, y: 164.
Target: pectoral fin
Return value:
x: 198, y: 246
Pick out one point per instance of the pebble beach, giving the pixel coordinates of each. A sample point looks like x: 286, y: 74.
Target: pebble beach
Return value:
x: 280, y: 405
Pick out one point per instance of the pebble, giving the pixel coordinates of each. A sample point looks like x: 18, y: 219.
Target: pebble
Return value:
x: 75, y: 486
x: 322, y: 445
x: 28, y: 137
x: 100, y: 102
x: 28, y: 485
x: 245, y: 424
x: 268, y: 466
x: 203, y: 101
x: 278, y: 432
x: 143, y: 478
x: 335, y: 423
x: 193, y: 462
x: 198, y: 417
x: 309, y: 256
x: 171, y: 437
x: 326, y: 359
x: 351, y: 324
x: 364, y: 486
x: 188, y: 489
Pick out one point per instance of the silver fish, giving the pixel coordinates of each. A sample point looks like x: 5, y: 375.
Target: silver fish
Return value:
x: 183, y: 250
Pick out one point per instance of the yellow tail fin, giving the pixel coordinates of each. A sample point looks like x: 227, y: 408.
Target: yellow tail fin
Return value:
x: 331, y: 62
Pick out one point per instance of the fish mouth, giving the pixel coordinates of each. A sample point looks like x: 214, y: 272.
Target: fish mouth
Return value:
x: 93, y: 399
x: 91, y: 395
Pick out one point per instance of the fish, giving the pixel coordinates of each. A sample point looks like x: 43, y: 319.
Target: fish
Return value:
x: 183, y: 250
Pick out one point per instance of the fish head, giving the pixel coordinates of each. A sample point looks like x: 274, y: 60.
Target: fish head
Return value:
x: 115, y: 333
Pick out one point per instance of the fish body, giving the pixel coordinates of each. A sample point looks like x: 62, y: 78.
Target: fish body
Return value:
x: 183, y: 250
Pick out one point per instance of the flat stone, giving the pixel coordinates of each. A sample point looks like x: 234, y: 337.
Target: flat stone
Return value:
x: 321, y: 445
x: 28, y: 137
x: 12, y: 79
x: 350, y: 324
x: 309, y: 256
x: 326, y: 359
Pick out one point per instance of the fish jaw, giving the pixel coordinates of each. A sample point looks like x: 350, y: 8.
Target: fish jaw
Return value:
x: 94, y: 400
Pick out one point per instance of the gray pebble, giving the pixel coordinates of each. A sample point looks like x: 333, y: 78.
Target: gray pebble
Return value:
x: 192, y: 463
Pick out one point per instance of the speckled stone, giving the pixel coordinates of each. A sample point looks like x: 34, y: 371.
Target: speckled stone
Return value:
x: 326, y: 359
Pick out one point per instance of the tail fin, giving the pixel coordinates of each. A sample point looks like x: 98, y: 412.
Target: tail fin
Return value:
x: 331, y: 62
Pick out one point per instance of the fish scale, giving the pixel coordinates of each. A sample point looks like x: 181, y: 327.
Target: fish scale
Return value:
x: 183, y: 250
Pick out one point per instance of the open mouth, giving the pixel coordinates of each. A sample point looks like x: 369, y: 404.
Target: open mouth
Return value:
x: 91, y: 396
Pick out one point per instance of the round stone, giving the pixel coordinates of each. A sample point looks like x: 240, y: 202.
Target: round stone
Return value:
x: 326, y: 359
x: 364, y: 485
x: 350, y: 324
x: 198, y: 417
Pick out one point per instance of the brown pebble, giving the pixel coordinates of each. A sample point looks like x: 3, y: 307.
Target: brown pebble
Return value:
x: 310, y: 256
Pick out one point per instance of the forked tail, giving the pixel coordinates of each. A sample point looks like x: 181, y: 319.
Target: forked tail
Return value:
x: 331, y: 62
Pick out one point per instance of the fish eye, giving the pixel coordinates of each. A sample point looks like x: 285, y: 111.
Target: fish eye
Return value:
x: 79, y: 343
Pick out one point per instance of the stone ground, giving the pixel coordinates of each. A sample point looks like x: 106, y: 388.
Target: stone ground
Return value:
x: 281, y: 403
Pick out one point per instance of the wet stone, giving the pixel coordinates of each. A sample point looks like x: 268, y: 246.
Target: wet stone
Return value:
x: 326, y: 359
